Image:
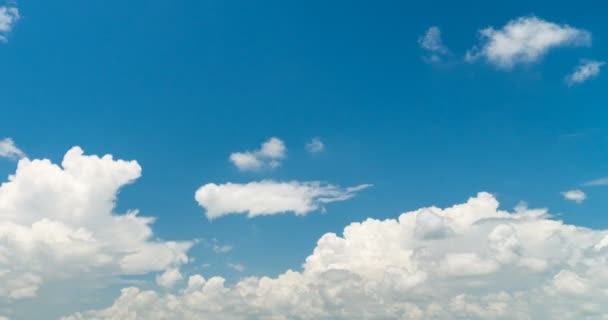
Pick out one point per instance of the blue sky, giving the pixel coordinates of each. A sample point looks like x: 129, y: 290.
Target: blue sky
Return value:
x: 179, y: 86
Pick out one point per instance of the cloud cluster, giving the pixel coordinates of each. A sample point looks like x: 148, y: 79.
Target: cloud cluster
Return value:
x: 269, y: 155
x: 469, y: 261
x: 9, y: 15
x: 269, y: 197
x: 432, y: 43
x: 57, y: 224
x: 525, y: 40
x: 8, y: 149
x: 585, y: 71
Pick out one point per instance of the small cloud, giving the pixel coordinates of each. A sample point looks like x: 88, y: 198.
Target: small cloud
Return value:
x: 525, y: 40
x: 269, y: 197
x: 596, y: 182
x: 315, y: 146
x: 432, y: 43
x: 269, y: 155
x: 8, y: 17
x: 8, y: 149
x: 236, y: 267
x: 586, y: 70
x: 577, y: 196
x: 221, y: 248
x: 169, y: 278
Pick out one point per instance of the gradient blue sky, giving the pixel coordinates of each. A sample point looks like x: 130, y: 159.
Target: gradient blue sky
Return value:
x: 180, y: 85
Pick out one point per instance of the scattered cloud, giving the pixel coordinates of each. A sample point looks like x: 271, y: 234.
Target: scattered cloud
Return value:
x: 525, y: 40
x: 577, y: 196
x: 269, y: 155
x: 221, y: 248
x: 268, y: 197
x: 236, y: 267
x: 597, y: 182
x: 586, y: 70
x: 468, y: 261
x: 9, y: 15
x: 58, y: 223
x: 315, y: 146
x: 432, y: 43
x: 8, y: 149
x: 169, y: 278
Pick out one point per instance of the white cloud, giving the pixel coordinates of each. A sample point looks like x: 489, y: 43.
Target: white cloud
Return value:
x: 169, y: 278
x: 236, y: 267
x: 586, y: 70
x: 597, y: 182
x: 432, y: 43
x: 525, y: 40
x: 221, y: 248
x: 269, y: 155
x: 577, y: 196
x: 485, y: 264
x: 315, y: 146
x: 8, y: 149
x: 8, y: 17
x: 268, y: 197
x: 57, y: 224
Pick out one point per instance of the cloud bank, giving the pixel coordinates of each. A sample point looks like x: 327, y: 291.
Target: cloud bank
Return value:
x: 269, y: 155
x: 57, y: 224
x: 525, y: 40
x: 269, y: 197
x: 468, y: 261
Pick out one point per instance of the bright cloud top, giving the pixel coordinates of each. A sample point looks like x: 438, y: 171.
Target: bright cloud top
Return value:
x: 8, y: 17
x: 269, y: 197
x: 577, y: 196
x: 432, y: 43
x: 57, y: 224
x: 525, y: 40
x: 269, y: 155
x: 585, y: 71
x: 8, y: 149
x: 469, y: 261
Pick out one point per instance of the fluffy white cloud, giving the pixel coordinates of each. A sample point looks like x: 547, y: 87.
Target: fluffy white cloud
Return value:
x: 469, y: 261
x: 585, y: 71
x: 432, y: 43
x: 525, y: 40
x: 8, y: 149
x: 577, y: 196
x: 8, y: 17
x: 269, y: 197
x: 268, y: 156
x: 315, y: 146
x: 57, y: 224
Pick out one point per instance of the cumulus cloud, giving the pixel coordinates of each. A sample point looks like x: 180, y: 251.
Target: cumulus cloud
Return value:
x: 468, y: 261
x: 9, y: 15
x: 586, y: 70
x: 269, y: 197
x: 8, y: 149
x: 577, y: 196
x: 269, y: 155
x: 315, y: 146
x: 57, y: 223
x: 432, y: 43
x: 525, y: 40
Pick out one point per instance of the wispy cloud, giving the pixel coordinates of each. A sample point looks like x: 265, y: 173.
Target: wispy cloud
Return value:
x: 432, y: 43
x: 525, y: 40
x: 586, y: 70
x: 597, y: 182
x: 8, y: 149
x: 270, y: 197
x: 9, y: 15
x: 236, y: 266
x: 315, y: 145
